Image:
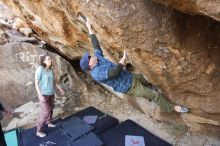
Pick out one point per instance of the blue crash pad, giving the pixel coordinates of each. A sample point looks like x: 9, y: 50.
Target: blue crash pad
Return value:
x: 11, y: 137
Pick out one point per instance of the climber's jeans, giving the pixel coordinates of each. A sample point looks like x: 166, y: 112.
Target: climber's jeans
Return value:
x: 47, y: 111
x: 140, y: 88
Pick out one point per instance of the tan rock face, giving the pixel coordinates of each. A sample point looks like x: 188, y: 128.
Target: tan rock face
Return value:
x: 177, y: 52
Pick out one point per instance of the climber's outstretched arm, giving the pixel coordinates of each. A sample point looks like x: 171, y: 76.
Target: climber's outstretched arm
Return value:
x: 94, y: 40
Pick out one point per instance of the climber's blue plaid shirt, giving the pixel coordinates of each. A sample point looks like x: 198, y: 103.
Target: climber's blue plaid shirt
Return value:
x: 99, y: 73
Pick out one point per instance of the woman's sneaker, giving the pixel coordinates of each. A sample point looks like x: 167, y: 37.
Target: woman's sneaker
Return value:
x: 50, y: 125
x: 41, y: 134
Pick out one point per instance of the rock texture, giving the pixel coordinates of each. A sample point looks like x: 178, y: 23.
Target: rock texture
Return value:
x: 176, y: 51
x: 210, y: 8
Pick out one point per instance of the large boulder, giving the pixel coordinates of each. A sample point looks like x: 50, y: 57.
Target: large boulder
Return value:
x: 19, y: 58
x: 177, y: 52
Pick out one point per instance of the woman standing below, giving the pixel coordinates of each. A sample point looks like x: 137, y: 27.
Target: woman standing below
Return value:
x: 2, y: 138
x: 45, y: 86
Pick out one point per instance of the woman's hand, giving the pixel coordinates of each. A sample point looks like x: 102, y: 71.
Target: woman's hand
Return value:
x: 41, y: 98
x: 62, y: 91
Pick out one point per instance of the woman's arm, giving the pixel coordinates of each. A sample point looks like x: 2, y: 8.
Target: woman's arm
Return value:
x: 40, y: 96
x: 37, y: 87
x: 38, y: 74
x: 57, y: 85
x: 59, y: 88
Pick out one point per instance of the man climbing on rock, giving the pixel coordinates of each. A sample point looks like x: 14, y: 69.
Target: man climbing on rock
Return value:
x: 123, y: 81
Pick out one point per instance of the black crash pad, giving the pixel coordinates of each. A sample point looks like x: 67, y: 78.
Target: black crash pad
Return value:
x: 89, y: 140
x: 75, y: 128
x: 116, y: 136
x: 103, y: 122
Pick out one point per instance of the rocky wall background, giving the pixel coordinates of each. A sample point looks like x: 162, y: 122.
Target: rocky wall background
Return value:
x: 178, y: 52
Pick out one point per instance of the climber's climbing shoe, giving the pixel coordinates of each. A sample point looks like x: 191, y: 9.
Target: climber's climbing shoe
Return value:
x: 181, y: 109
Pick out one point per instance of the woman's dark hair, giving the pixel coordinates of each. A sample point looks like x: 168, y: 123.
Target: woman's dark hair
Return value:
x: 42, y: 59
